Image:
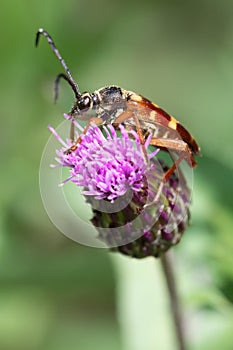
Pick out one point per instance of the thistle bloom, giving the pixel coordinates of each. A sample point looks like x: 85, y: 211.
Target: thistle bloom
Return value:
x: 106, y: 166
x: 112, y: 165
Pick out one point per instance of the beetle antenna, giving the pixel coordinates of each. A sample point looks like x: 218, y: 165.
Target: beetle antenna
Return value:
x: 67, y: 77
x: 56, y: 86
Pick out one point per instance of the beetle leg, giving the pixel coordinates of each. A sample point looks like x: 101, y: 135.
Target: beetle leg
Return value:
x: 95, y: 120
x: 171, y: 170
x: 72, y: 130
x: 179, y: 146
x: 127, y: 115
x: 70, y: 114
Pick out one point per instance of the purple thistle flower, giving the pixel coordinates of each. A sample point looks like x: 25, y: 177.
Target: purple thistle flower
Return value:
x: 106, y: 166
x: 112, y: 165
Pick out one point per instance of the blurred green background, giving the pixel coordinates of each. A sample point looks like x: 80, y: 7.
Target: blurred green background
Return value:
x: 54, y: 293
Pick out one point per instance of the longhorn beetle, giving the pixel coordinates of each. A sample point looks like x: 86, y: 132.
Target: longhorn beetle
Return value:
x: 114, y: 105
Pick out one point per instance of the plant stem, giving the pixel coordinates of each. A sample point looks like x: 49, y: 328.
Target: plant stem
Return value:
x: 167, y: 264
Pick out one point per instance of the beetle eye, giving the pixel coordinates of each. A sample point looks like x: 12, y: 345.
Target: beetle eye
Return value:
x: 84, y: 103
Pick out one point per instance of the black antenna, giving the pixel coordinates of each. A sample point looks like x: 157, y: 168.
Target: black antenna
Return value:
x: 56, y: 85
x: 67, y: 77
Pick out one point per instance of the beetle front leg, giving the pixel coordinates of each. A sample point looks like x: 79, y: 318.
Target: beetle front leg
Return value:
x: 96, y: 120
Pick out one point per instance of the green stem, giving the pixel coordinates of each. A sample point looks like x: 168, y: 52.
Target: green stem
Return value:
x: 167, y: 264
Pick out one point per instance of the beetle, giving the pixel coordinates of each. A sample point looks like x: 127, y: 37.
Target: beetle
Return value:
x: 114, y: 105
